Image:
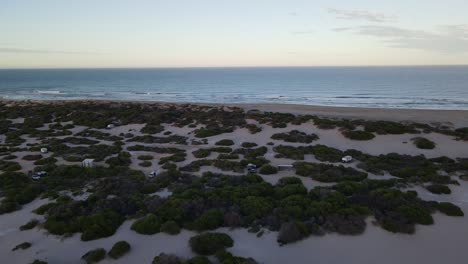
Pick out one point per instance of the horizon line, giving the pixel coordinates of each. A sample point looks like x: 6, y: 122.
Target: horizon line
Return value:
x: 237, y: 67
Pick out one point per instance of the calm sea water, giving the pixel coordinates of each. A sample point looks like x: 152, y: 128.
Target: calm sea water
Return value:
x: 389, y: 87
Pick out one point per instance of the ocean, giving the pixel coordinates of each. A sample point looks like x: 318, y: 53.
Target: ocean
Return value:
x: 424, y: 87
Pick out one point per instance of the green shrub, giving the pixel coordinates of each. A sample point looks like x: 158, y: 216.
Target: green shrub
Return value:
x: 210, y: 243
x: 37, y: 261
x: 72, y: 158
x: 32, y: 157
x: 295, y: 136
x: 423, y: 143
x: 209, y: 220
x: 94, y: 256
x: 268, y: 169
x: 152, y: 129
x: 328, y: 173
x: 225, y: 142
x: 44, y: 208
x: 450, y: 209
x: 254, y: 129
x: 102, y: 224
x: 358, y: 135
x: 23, y: 246
x: 438, y: 189
x: 170, y: 227
x: 148, y: 225
x: 164, y: 258
x: 29, y: 225
x: 249, y: 144
x: 228, y: 156
x: 119, y: 249
x: 201, y: 153
x: 145, y: 157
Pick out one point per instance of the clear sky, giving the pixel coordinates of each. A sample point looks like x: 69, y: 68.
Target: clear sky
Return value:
x: 201, y: 33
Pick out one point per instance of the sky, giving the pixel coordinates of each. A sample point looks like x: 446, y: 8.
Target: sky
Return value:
x: 227, y: 33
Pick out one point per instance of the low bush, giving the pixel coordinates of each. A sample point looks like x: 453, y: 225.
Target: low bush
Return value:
x: 295, y: 136
x: 438, y: 189
x: 152, y: 129
x: 119, y: 249
x: 29, y: 225
x: 210, y: 243
x: 32, y: 157
x: 148, y: 225
x: 145, y: 157
x: 328, y: 173
x: 94, y: 256
x: 23, y: 246
x: 37, y: 261
x: 225, y: 142
x: 358, y: 135
x: 450, y: 209
x: 170, y: 227
x: 423, y: 143
x: 227, y: 156
x: 249, y: 144
x: 267, y: 169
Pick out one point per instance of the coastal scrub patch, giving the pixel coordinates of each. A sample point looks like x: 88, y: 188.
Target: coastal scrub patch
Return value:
x: 29, y: 225
x: 94, y: 256
x: 210, y: 243
x: 119, y: 249
x: 295, y: 136
x: 23, y: 246
x: 438, y: 189
x: 225, y: 142
x: 450, y: 209
x: 358, y: 135
x: 423, y: 143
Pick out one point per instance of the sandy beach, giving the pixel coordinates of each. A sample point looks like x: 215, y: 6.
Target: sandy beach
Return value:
x: 442, y: 242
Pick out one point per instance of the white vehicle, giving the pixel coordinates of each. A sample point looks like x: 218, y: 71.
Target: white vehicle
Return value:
x: 153, y: 173
x: 347, y: 159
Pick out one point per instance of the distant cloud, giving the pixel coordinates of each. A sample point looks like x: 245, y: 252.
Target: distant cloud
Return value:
x: 293, y: 13
x: 43, y: 51
x: 447, y: 39
x: 360, y: 15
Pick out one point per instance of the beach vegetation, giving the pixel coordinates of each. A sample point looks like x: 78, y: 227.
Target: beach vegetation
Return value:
x: 94, y: 256
x: 29, y: 225
x: 267, y: 169
x: 424, y: 143
x: 23, y: 246
x: 358, y: 135
x: 119, y: 249
x: 438, y: 189
x: 170, y: 227
x: 449, y: 209
x: 225, y: 142
x: 295, y: 136
x: 210, y: 243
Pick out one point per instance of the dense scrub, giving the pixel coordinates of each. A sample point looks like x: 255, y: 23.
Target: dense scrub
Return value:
x: 210, y: 243
x: 94, y: 256
x: 423, y: 143
x: 328, y: 173
x: 119, y: 249
x: 295, y: 136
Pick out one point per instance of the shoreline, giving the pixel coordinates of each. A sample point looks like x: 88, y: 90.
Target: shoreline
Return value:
x: 456, y: 118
